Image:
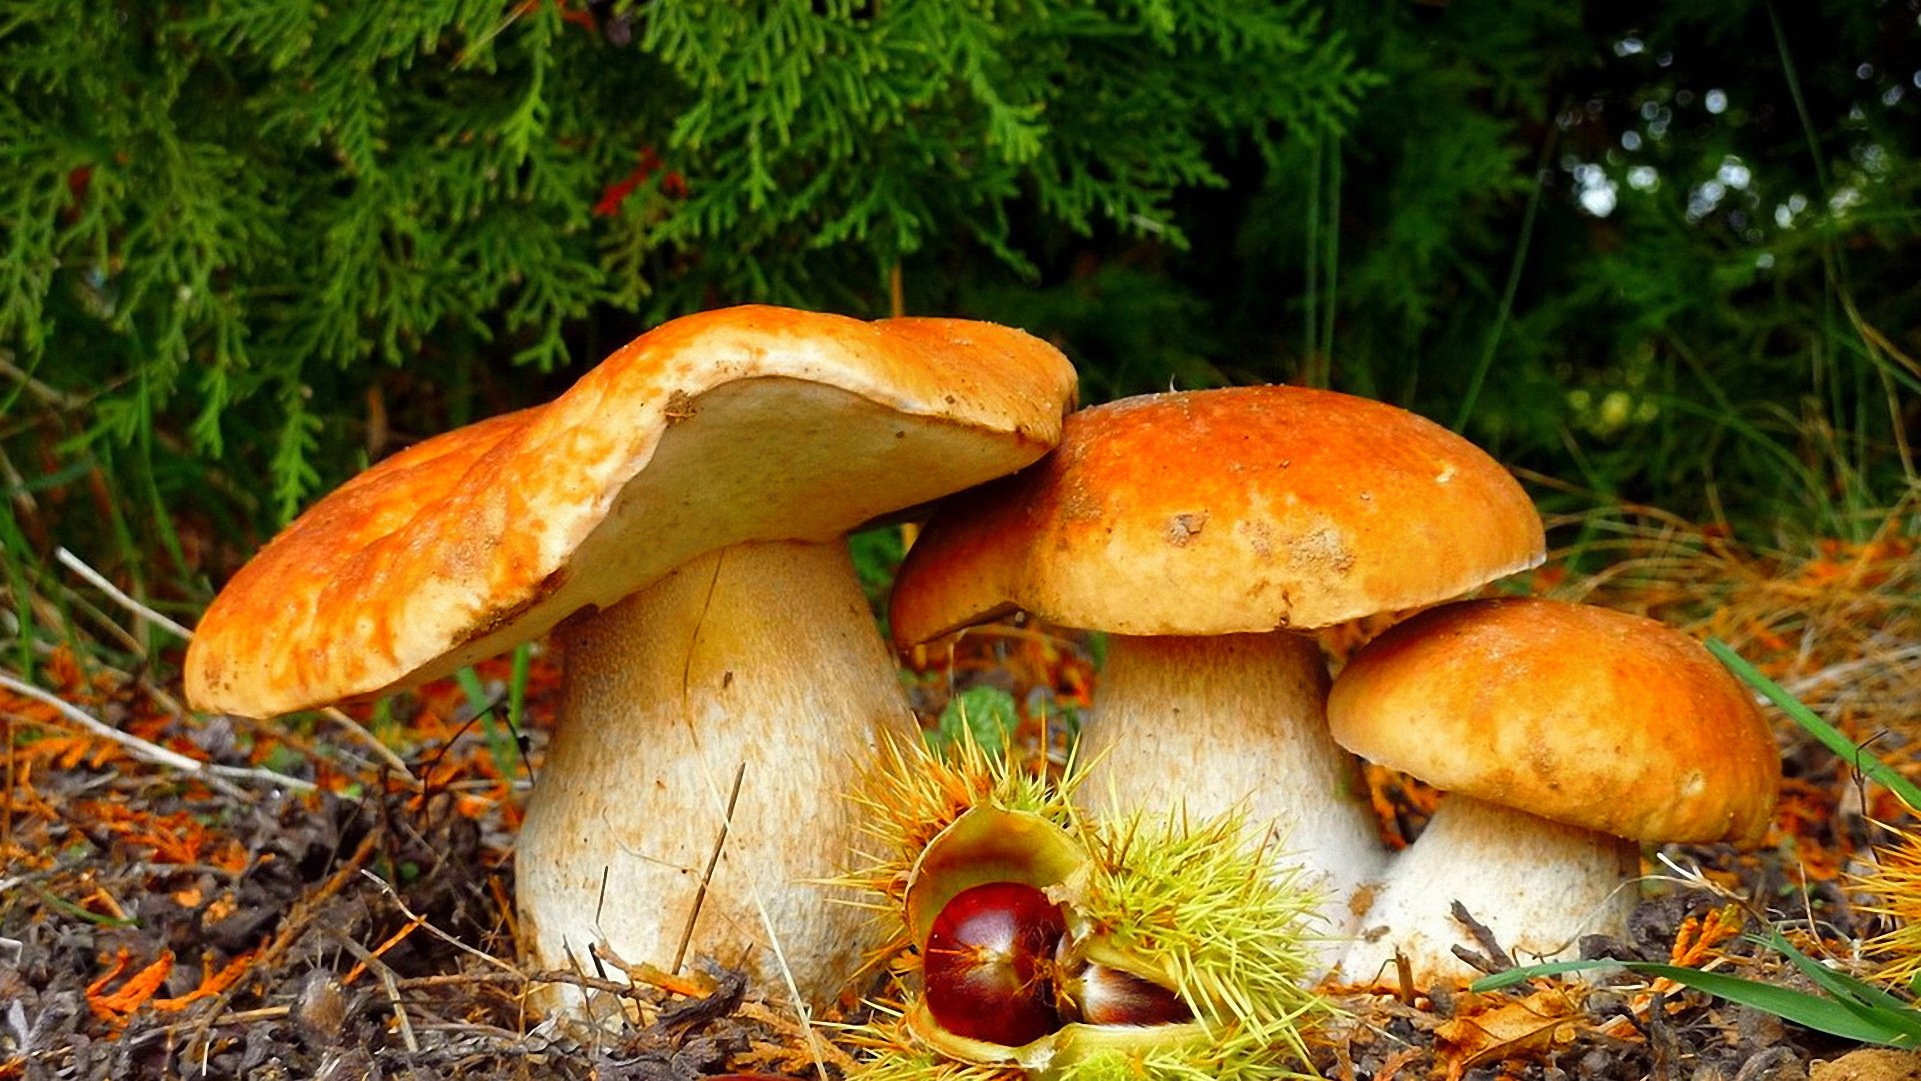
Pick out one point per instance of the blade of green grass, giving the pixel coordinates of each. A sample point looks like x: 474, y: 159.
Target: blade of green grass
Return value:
x: 1839, y: 984
x: 500, y: 741
x: 1829, y: 736
x: 1501, y: 981
x: 1889, y: 1027
x: 517, y: 686
x: 1485, y: 364
x: 62, y: 905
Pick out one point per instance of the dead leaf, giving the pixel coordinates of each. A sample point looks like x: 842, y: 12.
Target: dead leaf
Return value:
x: 1527, y: 1029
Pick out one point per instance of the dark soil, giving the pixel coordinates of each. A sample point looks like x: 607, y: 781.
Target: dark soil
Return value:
x: 370, y: 933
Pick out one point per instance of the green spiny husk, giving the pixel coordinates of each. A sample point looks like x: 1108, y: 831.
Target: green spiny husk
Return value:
x: 1893, y: 890
x: 1196, y: 906
x: 1227, y: 1052
x: 895, y: 1055
x: 912, y: 793
x: 1205, y: 909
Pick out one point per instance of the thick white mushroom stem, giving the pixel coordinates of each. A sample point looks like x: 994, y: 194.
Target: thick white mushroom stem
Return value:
x: 1236, y: 720
x: 758, y: 661
x: 1537, y: 885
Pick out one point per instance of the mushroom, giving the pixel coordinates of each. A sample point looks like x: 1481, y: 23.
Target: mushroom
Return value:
x: 1562, y: 734
x: 1204, y: 531
x: 676, y: 517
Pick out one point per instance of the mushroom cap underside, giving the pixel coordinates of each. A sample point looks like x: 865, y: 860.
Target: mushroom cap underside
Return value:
x: 751, y: 423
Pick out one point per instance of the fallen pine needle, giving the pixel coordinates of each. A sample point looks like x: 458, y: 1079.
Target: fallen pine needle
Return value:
x: 393, y: 940
x: 114, y: 1007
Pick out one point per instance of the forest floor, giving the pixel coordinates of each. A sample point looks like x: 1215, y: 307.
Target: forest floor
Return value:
x: 164, y: 918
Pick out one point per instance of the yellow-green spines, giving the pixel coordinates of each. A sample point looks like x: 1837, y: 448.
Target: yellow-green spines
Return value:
x: 1202, y: 907
x: 913, y: 793
x: 1226, y: 1054
x: 1893, y: 890
x: 895, y: 1054
x: 1196, y: 906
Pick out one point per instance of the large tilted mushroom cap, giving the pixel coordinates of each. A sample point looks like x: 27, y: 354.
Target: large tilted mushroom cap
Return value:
x: 745, y: 424
x: 1583, y: 715
x: 1223, y: 511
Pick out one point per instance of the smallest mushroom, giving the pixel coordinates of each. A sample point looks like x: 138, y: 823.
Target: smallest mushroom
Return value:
x: 1562, y: 733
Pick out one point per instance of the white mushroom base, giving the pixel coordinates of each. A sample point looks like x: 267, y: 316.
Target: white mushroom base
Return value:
x: 1537, y: 885
x: 1237, y: 721
x: 760, y: 661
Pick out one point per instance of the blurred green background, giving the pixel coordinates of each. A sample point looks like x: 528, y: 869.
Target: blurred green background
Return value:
x: 1666, y: 254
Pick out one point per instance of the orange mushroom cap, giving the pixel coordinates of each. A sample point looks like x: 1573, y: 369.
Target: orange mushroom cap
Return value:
x: 744, y: 424
x: 1223, y: 511
x: 1579, y: 714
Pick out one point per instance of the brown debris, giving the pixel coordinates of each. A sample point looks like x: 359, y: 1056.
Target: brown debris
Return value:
x: 1869, y: 1064
x: 155, y: 926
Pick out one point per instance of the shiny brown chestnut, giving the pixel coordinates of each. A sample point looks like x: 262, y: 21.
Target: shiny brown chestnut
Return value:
x: 1104, y: 995
x: 987, y: 965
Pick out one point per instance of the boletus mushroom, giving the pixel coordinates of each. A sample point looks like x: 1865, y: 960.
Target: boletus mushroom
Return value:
x: 676, y: 518
x: 1562, y: 734
x: 1206, y: 532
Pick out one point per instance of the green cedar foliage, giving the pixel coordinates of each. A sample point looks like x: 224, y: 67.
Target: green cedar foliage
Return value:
x: 246, y: 245
x: 1727, y: 325
x: 225, y: 222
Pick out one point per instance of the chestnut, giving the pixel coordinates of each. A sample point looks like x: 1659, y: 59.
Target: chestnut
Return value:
x: 1104, y: 995
x: 987, y: 965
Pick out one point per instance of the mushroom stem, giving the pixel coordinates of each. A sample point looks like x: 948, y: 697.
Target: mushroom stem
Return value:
x: 760, y: 661
x: 1236, y: 721
x: 1537, y: 885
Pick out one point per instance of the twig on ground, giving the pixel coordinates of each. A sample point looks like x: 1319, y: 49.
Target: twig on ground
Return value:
x: 394, y: 896
x: 634, y: 991
x: 78, y: 566
x: 688, y: 986
x: 215, y: 775
x: 99, y: 581
x: 386, y: 753
x: 371, y: 960
x: 456, y: 979
x: 1482, y: 937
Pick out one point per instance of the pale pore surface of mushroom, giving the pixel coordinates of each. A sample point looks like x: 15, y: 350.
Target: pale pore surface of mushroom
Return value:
x: 1537, y: 885
x: 761, y: 656
x: 1231, y: 721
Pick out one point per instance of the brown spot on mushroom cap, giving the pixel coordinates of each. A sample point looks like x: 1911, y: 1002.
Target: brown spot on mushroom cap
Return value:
x: 1580, y: 714
x: 1183, y: 528
x: 1318, y: 507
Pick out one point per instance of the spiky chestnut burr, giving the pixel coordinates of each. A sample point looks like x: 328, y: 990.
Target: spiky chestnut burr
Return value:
x: 1190, y: 908
x: 1893, y: 891
x: 911, y: 795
